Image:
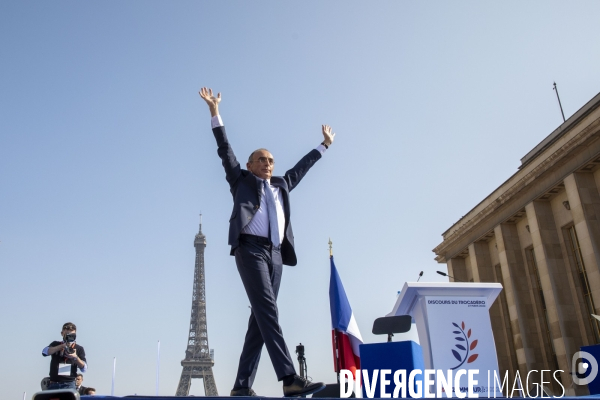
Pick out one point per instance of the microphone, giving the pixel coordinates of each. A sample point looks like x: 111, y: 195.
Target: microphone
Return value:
x: 420, y: 275
x: 445, y: 274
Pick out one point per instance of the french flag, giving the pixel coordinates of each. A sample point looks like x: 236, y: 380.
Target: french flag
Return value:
x: 344, y: 332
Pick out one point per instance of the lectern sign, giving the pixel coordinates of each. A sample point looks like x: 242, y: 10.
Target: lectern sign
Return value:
x: 461, y: 337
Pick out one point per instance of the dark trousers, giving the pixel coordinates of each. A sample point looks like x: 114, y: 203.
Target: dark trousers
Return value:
x: 260, y: 267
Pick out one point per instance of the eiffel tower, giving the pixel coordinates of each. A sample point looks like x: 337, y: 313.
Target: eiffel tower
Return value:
x: 198, y: 360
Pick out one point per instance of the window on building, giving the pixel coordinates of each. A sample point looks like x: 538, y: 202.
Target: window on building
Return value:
x: 584, y: 282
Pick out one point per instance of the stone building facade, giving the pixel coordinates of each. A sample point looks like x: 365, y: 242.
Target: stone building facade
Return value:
x: 538, y: 234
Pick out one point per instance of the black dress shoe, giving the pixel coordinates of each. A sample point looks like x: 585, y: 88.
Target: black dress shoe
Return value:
x: 245, y: 392
x: 301, y: 387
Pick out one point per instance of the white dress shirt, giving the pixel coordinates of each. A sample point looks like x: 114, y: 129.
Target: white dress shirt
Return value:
x: 259, y: 225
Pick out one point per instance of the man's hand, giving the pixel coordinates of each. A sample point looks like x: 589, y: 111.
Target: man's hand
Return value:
x: 74, y: 359
x: 328, y: 136
x: 211, y: 100
x: 71, y: 356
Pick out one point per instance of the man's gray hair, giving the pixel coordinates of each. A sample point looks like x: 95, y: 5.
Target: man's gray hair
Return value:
x: 254, y: 152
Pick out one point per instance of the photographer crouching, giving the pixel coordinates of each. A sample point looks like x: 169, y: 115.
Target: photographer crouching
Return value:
x: 67, y: 356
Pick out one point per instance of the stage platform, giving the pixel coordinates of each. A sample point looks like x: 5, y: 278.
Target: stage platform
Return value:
x: 323, y: 398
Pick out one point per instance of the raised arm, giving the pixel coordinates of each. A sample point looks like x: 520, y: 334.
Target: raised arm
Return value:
x: 328, y: 136
x: 295, y: 175
x: 224, y: 150
x: 212, y: 101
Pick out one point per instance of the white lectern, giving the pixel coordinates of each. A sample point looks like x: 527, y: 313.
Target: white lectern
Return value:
x: 453, y: 324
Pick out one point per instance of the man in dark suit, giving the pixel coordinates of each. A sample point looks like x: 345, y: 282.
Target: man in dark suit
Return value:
x: 79, y: 384
x: 261, y: 239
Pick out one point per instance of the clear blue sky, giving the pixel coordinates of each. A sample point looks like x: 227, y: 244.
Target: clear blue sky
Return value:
x: 107, y: 158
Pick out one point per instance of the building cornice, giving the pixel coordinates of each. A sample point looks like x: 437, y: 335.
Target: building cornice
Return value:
x: 560, y: 131
x: 557, y: 154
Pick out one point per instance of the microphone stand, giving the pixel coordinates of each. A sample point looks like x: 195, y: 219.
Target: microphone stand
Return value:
x: 445, y: 274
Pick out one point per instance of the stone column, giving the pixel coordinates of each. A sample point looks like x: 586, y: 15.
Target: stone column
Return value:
x: 457, y: 269
x: 530, y: 352
x: 561, y: 312
x: 481, y: 262
x: 584, y: 202
x: 482, y: 271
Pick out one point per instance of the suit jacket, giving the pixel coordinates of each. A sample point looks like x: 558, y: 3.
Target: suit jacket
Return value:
x: 246, y: 189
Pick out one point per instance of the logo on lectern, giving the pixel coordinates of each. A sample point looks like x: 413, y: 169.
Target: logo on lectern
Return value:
x: 465, y: 345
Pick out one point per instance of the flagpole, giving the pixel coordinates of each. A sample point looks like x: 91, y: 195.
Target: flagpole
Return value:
x: 337, y: 354
x: 335, y: 331
x: 112, y: 386
x: 157, y: 367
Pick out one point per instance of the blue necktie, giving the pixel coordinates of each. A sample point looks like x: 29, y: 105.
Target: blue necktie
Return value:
x: 272, y: 213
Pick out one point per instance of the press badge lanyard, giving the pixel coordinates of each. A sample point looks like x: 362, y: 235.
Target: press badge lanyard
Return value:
x: 64, y: 369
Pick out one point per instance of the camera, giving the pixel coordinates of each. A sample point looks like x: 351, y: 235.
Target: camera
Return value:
x: 69, y: 340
